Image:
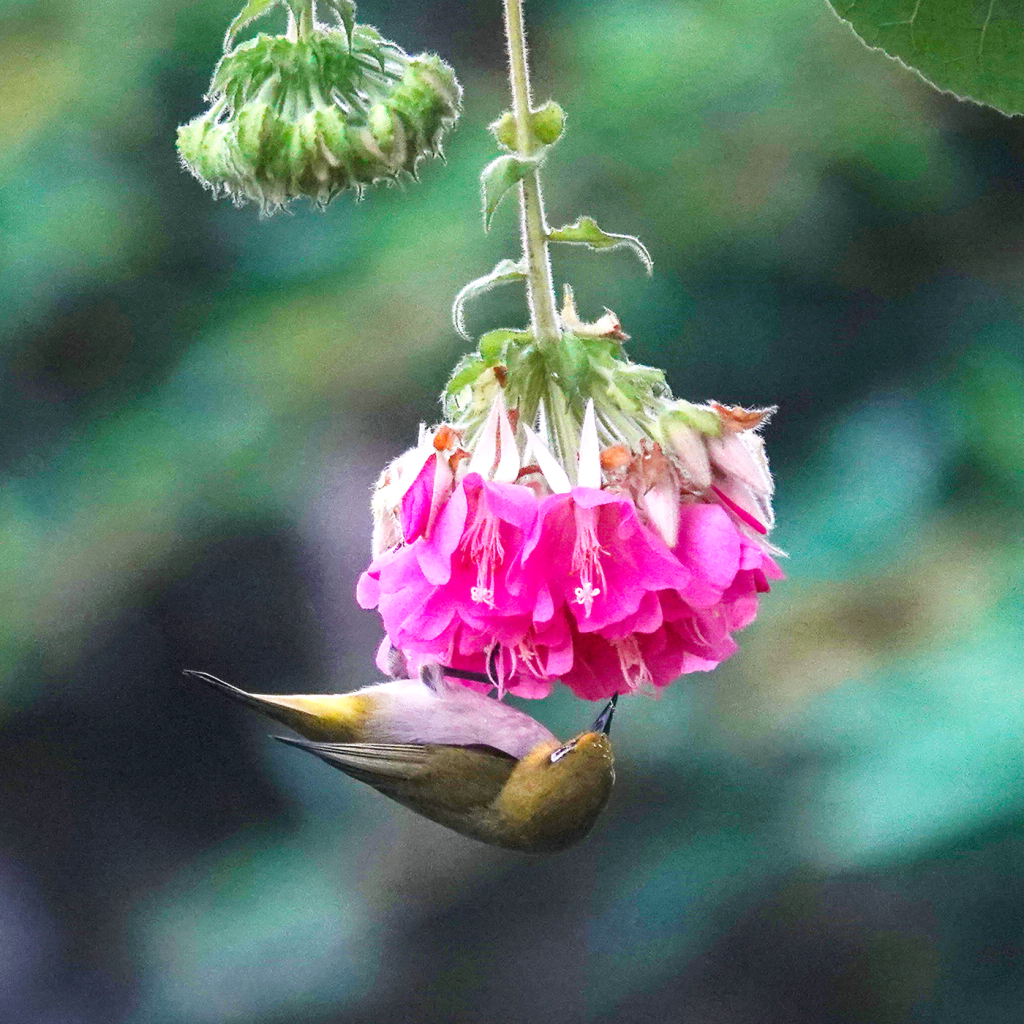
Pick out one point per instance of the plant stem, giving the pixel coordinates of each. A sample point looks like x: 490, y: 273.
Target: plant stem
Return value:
x: 540, y: 289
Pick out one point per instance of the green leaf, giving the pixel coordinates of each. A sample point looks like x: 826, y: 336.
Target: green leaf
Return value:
x: 253, y: 9
x: 505, y: 271
x: 493, y: 343
x: 974, y: 49
x: 468, y: 369
x: 500, y: 175
x: 346, y: 12
x: 586, y: 231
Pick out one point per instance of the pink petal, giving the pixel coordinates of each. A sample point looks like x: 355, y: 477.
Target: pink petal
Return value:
x: 368, y: 590
x: 710, y: 547
x: 435, y: 553
x: 417, y: 501
x: 512, y: 503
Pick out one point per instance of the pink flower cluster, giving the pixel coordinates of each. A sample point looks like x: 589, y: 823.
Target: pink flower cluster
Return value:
x: 625, y: 579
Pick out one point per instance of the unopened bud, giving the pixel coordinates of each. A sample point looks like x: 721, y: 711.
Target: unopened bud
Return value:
x: 688, y: 448
x: 315, y: 116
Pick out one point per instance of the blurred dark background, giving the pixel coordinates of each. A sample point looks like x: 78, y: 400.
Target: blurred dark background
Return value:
x: 194, y: 405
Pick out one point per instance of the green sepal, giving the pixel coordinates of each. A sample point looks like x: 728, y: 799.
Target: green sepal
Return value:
x: 346, y: 12
x: 253, y: 9
x: 428, y: 99
x: 703, y: 420
x: 505, y: 271
x: 563, y: 377
x: 382, y: 126
x: 570, y: 361
x: 495, y: 348
x: 586, y: 231
x: 500, y: 175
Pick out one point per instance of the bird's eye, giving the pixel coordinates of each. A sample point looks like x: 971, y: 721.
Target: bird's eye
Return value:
x: 557, y: 755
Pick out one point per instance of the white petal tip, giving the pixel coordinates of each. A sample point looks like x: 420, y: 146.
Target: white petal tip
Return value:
x: 557, y: 478
x: 589, y: 472
x: 485, y: 451
x: 507, y: 470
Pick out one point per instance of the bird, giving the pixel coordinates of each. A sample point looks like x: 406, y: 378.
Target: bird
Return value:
x: 453, y: 755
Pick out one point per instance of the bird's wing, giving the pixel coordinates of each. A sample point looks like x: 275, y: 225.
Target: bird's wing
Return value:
x: 408, y: 711
x: 369, y: 761
x: 436, y: 781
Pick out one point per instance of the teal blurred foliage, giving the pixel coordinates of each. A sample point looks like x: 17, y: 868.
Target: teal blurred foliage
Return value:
x: 195, y: 402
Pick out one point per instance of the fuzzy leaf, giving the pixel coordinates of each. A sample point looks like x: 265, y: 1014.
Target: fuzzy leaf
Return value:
x: 971, y: 49
x: 586, y: 231
x: 499, y: 176
x: 505, y: 271
x: 253, y: 9
x: 468, y: 369
x: 492, y: 344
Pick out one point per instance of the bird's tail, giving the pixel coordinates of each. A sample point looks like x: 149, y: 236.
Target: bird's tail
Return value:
x: 330, y: 717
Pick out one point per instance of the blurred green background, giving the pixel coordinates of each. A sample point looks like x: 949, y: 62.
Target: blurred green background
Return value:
x: 194, y: 405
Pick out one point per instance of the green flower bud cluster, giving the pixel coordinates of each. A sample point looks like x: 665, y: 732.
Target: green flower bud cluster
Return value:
x: 316, y: 115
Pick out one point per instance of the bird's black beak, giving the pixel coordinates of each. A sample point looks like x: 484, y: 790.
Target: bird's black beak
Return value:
x: 604, y: 720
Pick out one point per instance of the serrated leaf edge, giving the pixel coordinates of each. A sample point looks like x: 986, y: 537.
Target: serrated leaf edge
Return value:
x: 608, y: 240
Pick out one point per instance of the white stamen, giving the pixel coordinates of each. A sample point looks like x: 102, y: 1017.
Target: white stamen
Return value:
x: 556, y: 477
x: 631, y: 662
x: 589, y: 472
x: 585, y: 596
x: 482, y: 595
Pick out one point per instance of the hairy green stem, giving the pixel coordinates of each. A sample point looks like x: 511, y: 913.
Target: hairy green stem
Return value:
x: 540, y: 288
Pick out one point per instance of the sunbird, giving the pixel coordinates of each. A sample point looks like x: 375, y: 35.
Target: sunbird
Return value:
x: 455, y: 756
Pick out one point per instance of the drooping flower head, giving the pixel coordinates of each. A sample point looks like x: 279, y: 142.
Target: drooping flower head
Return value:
x: 317, y: 111
x: 613, y: 543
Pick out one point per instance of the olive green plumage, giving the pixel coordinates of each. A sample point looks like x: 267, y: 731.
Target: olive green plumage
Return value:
x: 457, y: 757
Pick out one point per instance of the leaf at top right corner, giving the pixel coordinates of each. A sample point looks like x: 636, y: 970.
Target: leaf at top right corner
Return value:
x: 971, y: 48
